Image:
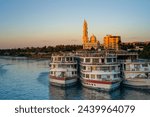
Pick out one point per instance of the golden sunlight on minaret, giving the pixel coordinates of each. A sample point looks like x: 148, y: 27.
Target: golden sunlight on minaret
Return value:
x: 85, y: 32
x: 88, y: 44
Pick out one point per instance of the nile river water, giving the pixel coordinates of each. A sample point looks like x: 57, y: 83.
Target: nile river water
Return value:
x: 26, y: 79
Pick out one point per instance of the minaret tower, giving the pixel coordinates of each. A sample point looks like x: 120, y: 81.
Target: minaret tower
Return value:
x: 85, y: 33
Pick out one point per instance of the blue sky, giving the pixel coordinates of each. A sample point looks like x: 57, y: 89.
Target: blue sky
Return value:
x: 50, y: 22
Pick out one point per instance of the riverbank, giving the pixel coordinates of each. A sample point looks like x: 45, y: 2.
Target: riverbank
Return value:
x: 24, y: 58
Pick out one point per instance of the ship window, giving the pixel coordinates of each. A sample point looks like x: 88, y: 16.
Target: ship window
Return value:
x: 67, y: 59
x: 73, y: 66
x: 51, y: 72
x: 87, y: 60
x: 81, y: 59
x: 127, y: 67
x: 87, y: 75
x: 113, y: 67
x: 99, y: 76
x: 137, y: 66
x: 103, y: 60
x: 83, y: 75
x: 115, y: 75
x: 62, y: 74
x: 98, y: 68
x: 54, y: 66
x: 93, y: 67
x: 84, y: 68
x: 89, y: 68
x: 109, y: 60
x: 108, y: 76
x: 92, y: 76
x: 95, y: 60
x: 104, y: 68
x: 59, y: 58
x: 144, y: 65
x: 63, y: 59
x: 114, y: 59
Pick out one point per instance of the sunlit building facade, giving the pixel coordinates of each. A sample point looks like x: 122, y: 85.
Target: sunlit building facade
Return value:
x: 112, y: 42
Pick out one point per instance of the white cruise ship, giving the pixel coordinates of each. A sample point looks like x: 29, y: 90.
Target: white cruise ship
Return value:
x: 63, y: 69
x: 137, y: 73
x: 100, y: 71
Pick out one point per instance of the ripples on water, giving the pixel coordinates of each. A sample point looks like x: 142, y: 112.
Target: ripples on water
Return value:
x: 22, y: 78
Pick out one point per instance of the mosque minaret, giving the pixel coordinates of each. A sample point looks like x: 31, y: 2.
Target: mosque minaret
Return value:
x: 88, y: 44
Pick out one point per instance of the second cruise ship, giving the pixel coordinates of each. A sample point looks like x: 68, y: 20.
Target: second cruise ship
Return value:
x: 100, y: 71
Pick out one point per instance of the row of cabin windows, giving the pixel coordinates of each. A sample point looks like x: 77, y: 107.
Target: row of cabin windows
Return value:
x: 62, y: 59
x: 97, y: 60
x: 93, y: 76
x: 65, y: 66
x: 138, y: 65
x: 54, y: 72
x: 144, y: 65
x: 98, y: 68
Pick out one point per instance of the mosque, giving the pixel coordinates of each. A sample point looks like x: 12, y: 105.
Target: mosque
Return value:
x: 89, y: 44
x: 110, y: 41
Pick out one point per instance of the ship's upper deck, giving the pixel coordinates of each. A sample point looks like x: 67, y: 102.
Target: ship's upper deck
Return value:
x: 63, y: 58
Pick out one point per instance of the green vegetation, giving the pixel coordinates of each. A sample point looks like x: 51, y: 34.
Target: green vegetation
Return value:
x: 145, y: 53
x: 133, y: 47
x: 46, y: 51
x: 39, y: 52
x: 124, y: 46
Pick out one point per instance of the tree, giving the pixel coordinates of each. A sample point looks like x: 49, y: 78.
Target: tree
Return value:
x: 145, y: 54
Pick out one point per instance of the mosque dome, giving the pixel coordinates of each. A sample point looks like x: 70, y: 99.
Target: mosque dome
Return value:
x: 93, y: 39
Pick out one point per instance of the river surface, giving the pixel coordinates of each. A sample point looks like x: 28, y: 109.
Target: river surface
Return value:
x: 26, y: 79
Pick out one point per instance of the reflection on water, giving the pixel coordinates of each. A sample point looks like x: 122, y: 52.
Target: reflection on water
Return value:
x: 91, y: 94
x: 79, y: 92
x: 23, y: 78
x: 135, y: 94
x: 60, y: 93
x: 2, y: 70
x: 43, y: 79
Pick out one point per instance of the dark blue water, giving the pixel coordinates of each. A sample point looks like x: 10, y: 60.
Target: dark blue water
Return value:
x: 26, y: 79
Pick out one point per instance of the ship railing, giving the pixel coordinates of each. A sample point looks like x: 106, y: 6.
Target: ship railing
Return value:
x: 63, y: 54
x: 63, y: 61
x: 135, y: 60
x: 97, y: 70
x: 91, y: 63
x: 97, y: 55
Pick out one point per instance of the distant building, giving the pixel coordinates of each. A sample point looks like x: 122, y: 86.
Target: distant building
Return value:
x: 112, y: 42
x: 89, y: 44
x: 137, y: 43
x: 139, y: 48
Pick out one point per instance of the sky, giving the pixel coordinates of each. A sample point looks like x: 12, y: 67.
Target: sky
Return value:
x: 27, y: 23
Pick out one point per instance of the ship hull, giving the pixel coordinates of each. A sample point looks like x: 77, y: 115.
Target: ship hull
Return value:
x: 63, y: 82
x: 101, y: 85
x: 137, y: 83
